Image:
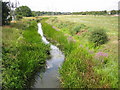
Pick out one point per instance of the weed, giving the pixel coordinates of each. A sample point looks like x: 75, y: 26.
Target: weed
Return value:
x: 23, y: 52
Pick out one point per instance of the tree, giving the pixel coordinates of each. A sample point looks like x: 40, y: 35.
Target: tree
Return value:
x: 113, y: 12
x: 0, y: 13
x: 6, y: 18
x: 118, y: 12
x: 23, y: 11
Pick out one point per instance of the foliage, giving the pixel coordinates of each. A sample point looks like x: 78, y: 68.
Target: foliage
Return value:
x: 41, y: 13
x: 23, y: 11
x: 91, y: 13
x: 104, y: 58
x: 23, y: 53
x: 113, y: 12
x: 77, y: 29
x: 107, y: 67
x: 6, y: 18
x: 60, y: 40
x: 19, y: 17
x: 98, y: 37
x: 77, y: 65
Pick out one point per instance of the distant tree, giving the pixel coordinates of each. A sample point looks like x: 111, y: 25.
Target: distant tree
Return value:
x: 6, y: 18
x: 105, y: 12
x: 118, y: 12
x: 19, y: 17
x: 23, y: 11
x: 113, y: 12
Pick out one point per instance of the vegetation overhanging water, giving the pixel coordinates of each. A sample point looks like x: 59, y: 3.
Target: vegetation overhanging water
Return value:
x: 50, y: 77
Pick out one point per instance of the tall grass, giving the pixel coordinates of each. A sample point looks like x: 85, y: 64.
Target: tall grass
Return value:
x: 77, y: 70
x: 23, y: 53
x: 58, y: 38
x: 100, y: 66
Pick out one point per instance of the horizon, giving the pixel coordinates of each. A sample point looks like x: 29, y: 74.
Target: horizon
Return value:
x: 64, y: 6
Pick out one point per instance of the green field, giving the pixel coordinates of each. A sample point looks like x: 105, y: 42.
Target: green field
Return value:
x: 108, y: 70
x: 85, y: 65
x: 108, y: 23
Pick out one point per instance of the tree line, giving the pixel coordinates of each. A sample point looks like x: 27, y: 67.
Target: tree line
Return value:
x: 112, y: 12
x: 40, y: 13
x: 25, y: 11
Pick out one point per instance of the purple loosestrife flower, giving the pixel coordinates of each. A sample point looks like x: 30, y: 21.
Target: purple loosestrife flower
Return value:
x: 101, y: 57
x: 101, y: 54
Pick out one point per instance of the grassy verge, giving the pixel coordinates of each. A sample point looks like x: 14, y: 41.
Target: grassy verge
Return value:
x: 23, y: 52
x: 77, y: 70
x: 85, y: 66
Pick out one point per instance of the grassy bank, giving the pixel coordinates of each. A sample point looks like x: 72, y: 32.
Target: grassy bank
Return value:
x: 78, y: 63
x: 85, y: 66
x: 23, y: 53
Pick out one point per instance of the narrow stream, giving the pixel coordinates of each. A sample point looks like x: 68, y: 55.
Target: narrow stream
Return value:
x: 50, y: 77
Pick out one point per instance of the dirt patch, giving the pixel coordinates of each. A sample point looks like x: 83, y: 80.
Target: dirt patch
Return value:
x: 13, y: 21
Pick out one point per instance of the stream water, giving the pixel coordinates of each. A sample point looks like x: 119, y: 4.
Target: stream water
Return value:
x: 50, y: 77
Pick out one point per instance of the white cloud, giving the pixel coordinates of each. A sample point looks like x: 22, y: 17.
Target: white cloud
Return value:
x: 70, y: 5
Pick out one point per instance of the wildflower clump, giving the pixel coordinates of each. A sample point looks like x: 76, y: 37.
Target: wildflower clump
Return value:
x: 101, y: 57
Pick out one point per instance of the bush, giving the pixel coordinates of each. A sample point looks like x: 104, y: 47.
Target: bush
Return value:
x: 77, y: 29
x: 19, y: 17
x: 98, y: 37
x: 23, y: 53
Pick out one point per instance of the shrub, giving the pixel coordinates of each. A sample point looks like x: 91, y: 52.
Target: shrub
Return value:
x: 98, y: 37
x: 19, y: 17
x: 62, y: 25
x: 77, y: 29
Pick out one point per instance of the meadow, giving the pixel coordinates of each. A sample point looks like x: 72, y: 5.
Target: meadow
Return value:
x: 102, y: 61
x: 86, y: 65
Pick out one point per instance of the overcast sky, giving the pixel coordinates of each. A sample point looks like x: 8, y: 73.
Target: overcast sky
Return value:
x: 69, y: 5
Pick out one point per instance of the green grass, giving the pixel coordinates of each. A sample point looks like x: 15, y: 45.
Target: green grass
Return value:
x: 23, y: 53
x: 58, y: 38
x: 106, y: 67
x: 77, y: 70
